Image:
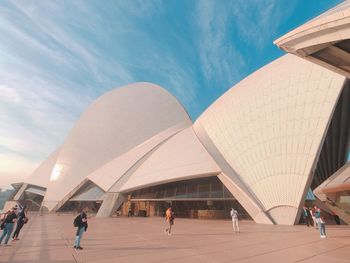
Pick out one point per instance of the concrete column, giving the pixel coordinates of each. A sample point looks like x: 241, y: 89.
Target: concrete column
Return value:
x: 111, y: 202
x: 20, y: 192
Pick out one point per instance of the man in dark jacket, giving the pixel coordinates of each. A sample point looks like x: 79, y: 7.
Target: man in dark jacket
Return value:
x: 22, y: 219
x: 81, y: 223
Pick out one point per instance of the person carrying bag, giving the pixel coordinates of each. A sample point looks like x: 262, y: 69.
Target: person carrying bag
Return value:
x: 8, y: 224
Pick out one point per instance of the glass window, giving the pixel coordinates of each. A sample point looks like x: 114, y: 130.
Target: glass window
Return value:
x: 160, y: 193
x: 204, y: 190
x: 192, y: 190
x: 181, y: 190
x: 217, y: 189
x: 170, y: 191
x: 227, y: 193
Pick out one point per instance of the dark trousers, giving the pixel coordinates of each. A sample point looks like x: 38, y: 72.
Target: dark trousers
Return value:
x: 18, y: 229
x: 308, y: 220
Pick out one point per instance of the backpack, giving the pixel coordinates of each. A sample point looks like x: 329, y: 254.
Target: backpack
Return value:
x: 75, y: 222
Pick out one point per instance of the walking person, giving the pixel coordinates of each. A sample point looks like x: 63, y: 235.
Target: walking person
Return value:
x: 169, y: 217
x: 313, y: 212
x: 22, y: 219
x: 7, y: 226
x: 81, y: 223
x: 234, y: 215
x: 322, y: 226
x: 317, y: 215
x: 307, y: 216
x: 129, y: 211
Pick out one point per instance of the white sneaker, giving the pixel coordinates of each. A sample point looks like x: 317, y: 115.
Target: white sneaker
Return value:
x: 323, y: 236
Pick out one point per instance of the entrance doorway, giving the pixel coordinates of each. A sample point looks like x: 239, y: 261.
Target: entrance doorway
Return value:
x: 204, y: 198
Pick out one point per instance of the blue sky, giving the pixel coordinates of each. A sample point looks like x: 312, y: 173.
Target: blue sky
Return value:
x: 56, y: 57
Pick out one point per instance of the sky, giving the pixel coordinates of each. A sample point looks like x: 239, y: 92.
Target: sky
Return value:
x: 57, y: 57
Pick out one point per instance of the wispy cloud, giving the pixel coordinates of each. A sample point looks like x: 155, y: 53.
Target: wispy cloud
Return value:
x: 9, y: 95
x: 50, y: 21
x: 258, y: 21
x: 230, y: 34
x: 219, y: 56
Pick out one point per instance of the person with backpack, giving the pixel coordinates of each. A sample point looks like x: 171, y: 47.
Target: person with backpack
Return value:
x: 7, y: 226
x: 22, y: 219
x: 169, y: 217
x: 81, y: 223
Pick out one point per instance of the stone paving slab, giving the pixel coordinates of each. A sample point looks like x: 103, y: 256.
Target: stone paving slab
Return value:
x: 49, y: 238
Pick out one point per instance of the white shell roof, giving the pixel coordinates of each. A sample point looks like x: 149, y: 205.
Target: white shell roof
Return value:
x: 181, y: 157
x: 107, y: 175
x: 270, y: 127
x: 114, y: 124
x: 310, y: 33
x: 41, y: 175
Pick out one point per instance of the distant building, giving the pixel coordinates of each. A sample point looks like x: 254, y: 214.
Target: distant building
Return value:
x: 259, y: 147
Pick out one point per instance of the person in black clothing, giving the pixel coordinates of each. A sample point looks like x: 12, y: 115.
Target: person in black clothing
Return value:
x: 8, y: 224
x: 22, y: 219
x: 81, y: 223
x: 307, y: 216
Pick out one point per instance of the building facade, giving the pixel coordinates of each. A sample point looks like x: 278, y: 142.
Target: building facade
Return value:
x: 260, y: 147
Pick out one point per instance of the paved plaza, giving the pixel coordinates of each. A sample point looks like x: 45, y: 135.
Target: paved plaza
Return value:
x: 49, y: 238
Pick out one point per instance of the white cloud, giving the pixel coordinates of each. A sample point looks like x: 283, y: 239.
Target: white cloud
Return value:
x: 9, y: 95
x: 14, y: 168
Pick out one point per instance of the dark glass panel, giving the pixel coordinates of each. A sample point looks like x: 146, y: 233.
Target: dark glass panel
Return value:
x: 170, y: 191
x: 204, y: 191
x: 208, y: 187
x: 344, y: 45
x: 181, y: 190
x: 217, y: 189
x: 227, y: 193
x: 192, y: 190
x: 335, y: 149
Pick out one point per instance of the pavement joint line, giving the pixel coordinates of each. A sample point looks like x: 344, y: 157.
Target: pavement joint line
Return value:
x: 191, y: 241
x: 67, y: 243
x: 322, y: 253
x: 76, y: 259
x: 201, y: 256
x: 16, y: 247
x: 275, y: 250
x: 145, y: 239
